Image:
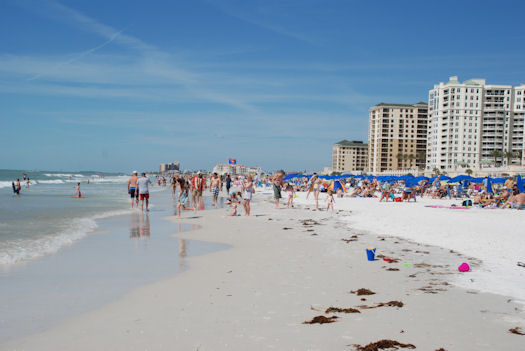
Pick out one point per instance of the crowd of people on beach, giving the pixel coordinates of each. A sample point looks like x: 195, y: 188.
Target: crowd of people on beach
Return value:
x: 480, y: 194
x: 188, y: 191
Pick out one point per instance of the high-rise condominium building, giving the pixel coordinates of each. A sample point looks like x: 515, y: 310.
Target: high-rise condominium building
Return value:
x: 397, y: 137
x: 474, y: 125
x: 349, y: 156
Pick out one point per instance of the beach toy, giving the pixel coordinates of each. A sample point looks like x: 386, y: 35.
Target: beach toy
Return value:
x: 371, y: 253
x: 464, y: 267
x: 406, y: 264
x: 387, y: 259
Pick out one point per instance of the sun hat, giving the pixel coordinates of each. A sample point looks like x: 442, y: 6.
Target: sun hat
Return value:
x: 135, y: 172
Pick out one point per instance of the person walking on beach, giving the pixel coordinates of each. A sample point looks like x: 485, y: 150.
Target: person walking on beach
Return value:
x: 330, y: 200
x: 291, y: 192
x: 316, y: 184
x: 248, y: 190
x: 143, y: 184
x: 183, y: 196
x: 215, y: 183
x: 228, y: 183
x: 133, y: 188
x: 277, y: 184
x: 197, y: 187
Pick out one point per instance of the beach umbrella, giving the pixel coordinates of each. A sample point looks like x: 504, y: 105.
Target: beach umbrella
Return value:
x: 519, y: 184
x: 489, y: 186
x: 336, y: 184
x: 460, y: 178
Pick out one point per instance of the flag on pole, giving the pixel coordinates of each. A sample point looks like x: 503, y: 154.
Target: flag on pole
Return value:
x: 232, y: 161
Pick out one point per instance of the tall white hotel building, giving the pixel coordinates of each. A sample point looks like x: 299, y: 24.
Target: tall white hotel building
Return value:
x: 468, y: 121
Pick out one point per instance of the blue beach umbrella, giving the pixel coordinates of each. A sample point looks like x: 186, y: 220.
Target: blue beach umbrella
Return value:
x: 489, y: 186
x: 519, y: 184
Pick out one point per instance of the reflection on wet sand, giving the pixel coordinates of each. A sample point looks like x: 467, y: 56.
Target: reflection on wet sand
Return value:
x: 139, y: 226
x: 182, y: 248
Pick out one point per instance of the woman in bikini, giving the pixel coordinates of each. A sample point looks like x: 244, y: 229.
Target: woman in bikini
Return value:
x: 316, y: 185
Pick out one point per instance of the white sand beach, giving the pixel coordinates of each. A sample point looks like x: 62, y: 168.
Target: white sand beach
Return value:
x: 288, y: 266
x: 494, y: 236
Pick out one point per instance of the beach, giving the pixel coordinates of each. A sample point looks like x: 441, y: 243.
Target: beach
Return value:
x: 285, y: 267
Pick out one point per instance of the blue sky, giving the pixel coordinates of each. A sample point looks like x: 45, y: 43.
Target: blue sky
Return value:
x: 121, y: 85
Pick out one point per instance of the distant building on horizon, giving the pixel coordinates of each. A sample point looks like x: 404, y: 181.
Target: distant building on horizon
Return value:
x: 397, y: 138
x: 349, y: 157
x: 170, y: 167
x: 236, y: 170
x: 475, y: 125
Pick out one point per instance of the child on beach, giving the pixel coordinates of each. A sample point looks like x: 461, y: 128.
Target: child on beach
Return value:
x: 330, y: 200
x: 291, y: 193
x: 183, y: 197
x: 234, y: 212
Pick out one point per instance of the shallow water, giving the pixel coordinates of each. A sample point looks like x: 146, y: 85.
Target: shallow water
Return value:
x: 124, y: 252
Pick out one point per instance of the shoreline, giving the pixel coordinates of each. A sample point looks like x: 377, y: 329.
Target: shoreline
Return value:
x: 257, y: 294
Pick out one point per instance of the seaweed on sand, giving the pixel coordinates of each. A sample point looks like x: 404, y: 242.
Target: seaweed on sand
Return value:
x: 362, y: 291
x: 342, y: 310
x: 384, y: 344
x: 321, y: 320
x: 516, y: 330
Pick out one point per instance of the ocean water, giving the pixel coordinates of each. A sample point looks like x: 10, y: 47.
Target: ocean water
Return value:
x: 45, y: 218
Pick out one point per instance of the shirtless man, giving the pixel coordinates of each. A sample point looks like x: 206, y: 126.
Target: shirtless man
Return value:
x: 133, y: 190
x: 516, y: 201
x: 277, y: 183
x: 215, y: 183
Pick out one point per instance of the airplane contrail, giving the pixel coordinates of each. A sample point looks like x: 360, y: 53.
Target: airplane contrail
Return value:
x: 83, y: 54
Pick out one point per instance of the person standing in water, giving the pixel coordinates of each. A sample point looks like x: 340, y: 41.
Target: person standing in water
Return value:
x: 17, y: 187
x: 143, y: 184
x: 78, y: 190
x: 132, y: 188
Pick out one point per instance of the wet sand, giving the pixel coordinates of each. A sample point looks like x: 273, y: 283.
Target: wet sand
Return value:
x: 258, y: 294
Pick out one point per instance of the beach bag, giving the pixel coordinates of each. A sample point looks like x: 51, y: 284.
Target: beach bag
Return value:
x: 467, y: 203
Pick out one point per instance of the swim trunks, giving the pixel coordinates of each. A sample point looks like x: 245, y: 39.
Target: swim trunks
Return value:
x: 276, y: 191
x: 215, y: 191
x: 144, y: 196
x: 132, y: 192
x: 197, y: 192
